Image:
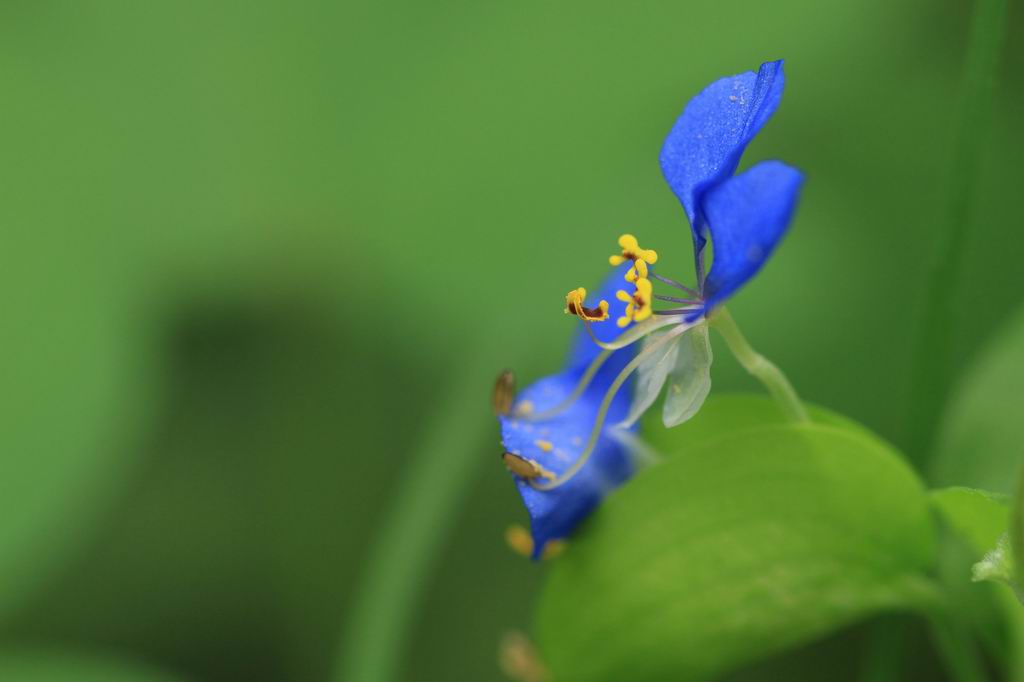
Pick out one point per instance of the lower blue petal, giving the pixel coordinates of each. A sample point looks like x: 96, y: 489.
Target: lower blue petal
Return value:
x: 555, y: 513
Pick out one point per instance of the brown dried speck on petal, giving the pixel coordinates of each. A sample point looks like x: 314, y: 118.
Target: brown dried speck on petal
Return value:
x: 525, y: 468
x: 504, y: 393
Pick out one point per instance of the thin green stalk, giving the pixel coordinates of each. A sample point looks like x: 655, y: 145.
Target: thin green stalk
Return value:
x: 934, y: 365
x: 956, y: 649
x: 412, y: 532
x: 883, y: 658
x: 1016, y: 532
x: 760, y: 367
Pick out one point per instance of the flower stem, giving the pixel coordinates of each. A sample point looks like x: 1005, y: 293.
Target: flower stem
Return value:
x: 760, y: 367
x: 412, y: 532
x: 956, y: 648
x: 933, y: 357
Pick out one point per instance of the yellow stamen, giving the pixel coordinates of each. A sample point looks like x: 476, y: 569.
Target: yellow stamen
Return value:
x: 504, y: 392
x: 638, y: 306
x: 641, y: 258
x: 524, y: 408
x: 519, y: 660
x: 525, y: 467
x: 552, y: 548
x: 545, y: 445
x: 519, y: 541
x: 574, y: 306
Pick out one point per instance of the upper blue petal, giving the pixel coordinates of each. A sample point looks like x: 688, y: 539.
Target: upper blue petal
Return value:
x: 706, y: 143
x: 555, y: 513
x: 747, y: 217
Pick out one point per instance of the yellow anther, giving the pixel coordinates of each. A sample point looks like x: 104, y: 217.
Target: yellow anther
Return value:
x: 638, y: 306
x: 545, y: 445
x: 641, y: 258
x: 504, y: 393
x: 525, y: 467
x: 519, y: 660
x: 524, y: 408
x: 574, y: 306
x: 519, y: 541
x: 552, y: 548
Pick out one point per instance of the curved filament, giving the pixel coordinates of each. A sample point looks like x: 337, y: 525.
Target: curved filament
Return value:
x: 602, y: 412
x: 631, y: 335
x: 677, y: 285
x: 581, y: 386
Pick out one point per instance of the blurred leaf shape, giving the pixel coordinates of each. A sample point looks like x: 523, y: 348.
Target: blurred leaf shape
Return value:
x: 997, y: 566
x: 748, y: 540
x: 981, y: 444
x: 75, y: 367
x: 42, y: 665
x: 981, y: 441
x: 1016, y: 532
x: 726, y: 412
x: 982, y: 519
x: 977, y: 515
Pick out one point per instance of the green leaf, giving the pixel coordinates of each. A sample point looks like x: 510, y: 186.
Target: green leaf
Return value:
x: 750, y: 538
x: 981, y: 518
x: 40, y: 665
x: 996, y: 565
x: 1016, y: 533
x: 981, y: 442
x: 724, y: 413
x: 978, y: 516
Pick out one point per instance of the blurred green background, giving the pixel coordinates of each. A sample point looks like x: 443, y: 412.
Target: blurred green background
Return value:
x: 247, y: 247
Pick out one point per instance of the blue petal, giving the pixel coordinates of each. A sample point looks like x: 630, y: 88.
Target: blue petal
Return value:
x: 555, y: 513
x: 747, y: 217
x: 707, y: 141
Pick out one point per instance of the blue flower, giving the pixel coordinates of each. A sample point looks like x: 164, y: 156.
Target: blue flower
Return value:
x: 746, y: 215
x: 553, y: 444
x: 566, y: 436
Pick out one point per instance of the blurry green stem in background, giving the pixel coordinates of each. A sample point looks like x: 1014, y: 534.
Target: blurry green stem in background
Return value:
x: 934, y: 364
x: 955, y: 646
x: 1017, y: 535
x: 759, y: 366
x: 882, y: 660
x: 412, y: 534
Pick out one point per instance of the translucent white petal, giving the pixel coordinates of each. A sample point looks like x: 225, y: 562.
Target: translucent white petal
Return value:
x: 690, y: 378
x: 651, y: 375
